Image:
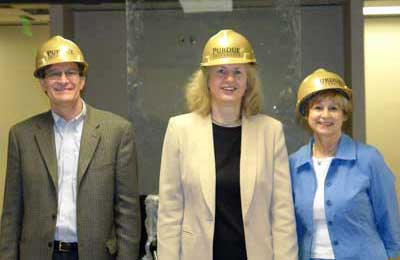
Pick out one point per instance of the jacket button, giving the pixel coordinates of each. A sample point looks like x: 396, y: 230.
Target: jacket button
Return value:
x: 335, y: 242
x: 328, y: 184
x: 50, y: 244
x: 330, y: 223
x: 329, y: 203
x: 53, y: 216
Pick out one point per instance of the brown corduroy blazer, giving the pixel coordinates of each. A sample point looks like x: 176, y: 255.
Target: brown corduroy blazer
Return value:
x: 107, y: 201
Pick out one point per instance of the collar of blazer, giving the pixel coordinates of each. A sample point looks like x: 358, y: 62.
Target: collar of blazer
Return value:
x: 248, y: 160
x: 44, y: 137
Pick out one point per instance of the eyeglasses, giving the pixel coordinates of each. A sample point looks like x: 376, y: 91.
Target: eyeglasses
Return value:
x: 57, y: 74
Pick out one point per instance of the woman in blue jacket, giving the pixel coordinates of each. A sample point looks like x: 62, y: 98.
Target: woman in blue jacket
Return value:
x: 344, y: 193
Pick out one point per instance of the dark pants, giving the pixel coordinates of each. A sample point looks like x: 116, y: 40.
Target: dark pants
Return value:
x: 72, y: 255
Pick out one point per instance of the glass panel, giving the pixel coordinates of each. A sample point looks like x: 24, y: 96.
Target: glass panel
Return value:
x: 164, y: 43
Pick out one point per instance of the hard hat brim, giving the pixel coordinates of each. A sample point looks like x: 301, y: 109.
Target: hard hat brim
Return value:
x: 38, y: 73
x: 300, y: 106
x: 226, y: 61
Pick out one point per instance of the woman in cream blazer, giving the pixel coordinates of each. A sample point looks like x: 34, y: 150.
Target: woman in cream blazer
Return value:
x: 224, y: 97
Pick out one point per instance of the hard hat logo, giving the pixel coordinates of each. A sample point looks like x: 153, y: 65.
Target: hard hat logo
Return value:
x: 52, y: 53
x: 227, y: 47
x: 58, y: 50
x: 226, y: 52
x: 332, y: 82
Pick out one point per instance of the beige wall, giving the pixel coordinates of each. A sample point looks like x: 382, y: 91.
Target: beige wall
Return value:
x: 382, y: 79
x: 20, y: 96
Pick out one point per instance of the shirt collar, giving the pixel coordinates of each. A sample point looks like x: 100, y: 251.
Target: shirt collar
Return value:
x: 59, y: 121
x: 346, y: 151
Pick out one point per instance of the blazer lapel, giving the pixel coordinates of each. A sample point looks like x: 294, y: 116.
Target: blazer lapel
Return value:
x: 206, y: 160
x: 44, y: 137
x: 248, y: 162
x: 89, y: 141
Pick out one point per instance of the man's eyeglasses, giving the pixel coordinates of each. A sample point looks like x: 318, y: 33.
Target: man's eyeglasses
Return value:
x: 56, y: 74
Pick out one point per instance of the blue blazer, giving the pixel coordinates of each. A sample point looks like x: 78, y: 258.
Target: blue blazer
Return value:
x: 360, y: 202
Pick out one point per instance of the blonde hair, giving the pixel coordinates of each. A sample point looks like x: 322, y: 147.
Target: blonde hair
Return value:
x: 343, y: 102
x: 198, y: 98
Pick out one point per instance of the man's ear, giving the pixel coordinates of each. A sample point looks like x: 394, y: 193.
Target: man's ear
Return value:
x: 43, y: 86
x: 82, y: 83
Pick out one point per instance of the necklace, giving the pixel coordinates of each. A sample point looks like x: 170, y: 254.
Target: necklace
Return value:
x: 322, y: 161
x: 237, y: 122
x: 319, y: 161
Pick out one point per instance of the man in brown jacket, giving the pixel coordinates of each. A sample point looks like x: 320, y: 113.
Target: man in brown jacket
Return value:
x: 71, y: 184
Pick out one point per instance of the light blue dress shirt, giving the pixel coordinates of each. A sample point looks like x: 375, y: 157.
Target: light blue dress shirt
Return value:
x: 361, y: 208
x: 67, y: 138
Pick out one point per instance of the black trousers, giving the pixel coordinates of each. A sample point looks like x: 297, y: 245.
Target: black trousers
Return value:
x: 71, y: 255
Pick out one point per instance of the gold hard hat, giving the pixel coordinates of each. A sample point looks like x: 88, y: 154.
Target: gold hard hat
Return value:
x: 58, y: 50
x: 319, y: 80
x: 227, y: 47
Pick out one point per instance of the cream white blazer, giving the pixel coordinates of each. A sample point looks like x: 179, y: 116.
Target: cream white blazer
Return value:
x: 186, y: 212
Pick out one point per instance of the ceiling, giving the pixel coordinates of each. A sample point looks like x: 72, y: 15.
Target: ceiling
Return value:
x: 381, y: 2
x: 20, y: 14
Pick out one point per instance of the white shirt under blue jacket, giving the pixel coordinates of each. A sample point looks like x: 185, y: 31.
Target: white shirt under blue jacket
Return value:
x: 361, y: 208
